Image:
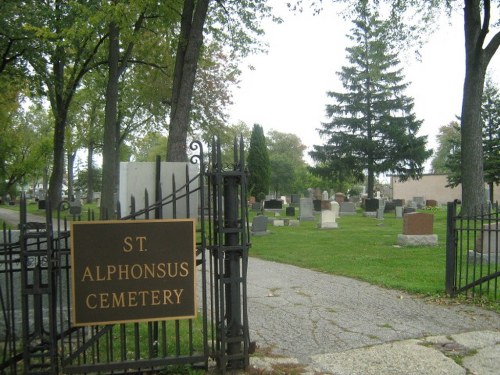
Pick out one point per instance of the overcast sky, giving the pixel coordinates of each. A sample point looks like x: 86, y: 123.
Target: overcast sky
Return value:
x: 286, y: 90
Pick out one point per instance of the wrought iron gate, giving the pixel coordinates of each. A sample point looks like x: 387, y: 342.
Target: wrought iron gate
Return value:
x: 473, y: 253
x: 36, y: 331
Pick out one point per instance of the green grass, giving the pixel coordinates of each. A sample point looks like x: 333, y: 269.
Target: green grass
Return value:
x: 363, y: 248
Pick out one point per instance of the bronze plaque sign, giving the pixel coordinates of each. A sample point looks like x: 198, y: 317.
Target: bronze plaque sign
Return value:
x: 124, y: 271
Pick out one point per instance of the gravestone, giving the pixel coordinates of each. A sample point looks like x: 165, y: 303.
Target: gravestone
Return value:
x: 431, y: 203
x: 418, y: 230
x: 257, y: 206
x: 326, y: 205
x: 347, y: 208
x: 398, y: 202
x: 371, y: 204
x: 419, y: 201
x: 290, y: 211
x: 339, y: 197
x: 259, y: 225
x: 317, y: 205
x: 335, y: 208
x: 306, y: 209
x: 279, y: 223
x: 252, y: 200
x: 295, y: 200
x: 273, y: 204
x: 399, y: 212
x: 327, y: 220
x: 324, y: 195
x: 409, y: 210
x: 389, y: 207
x: 380, y: 214
x: 487, y: 245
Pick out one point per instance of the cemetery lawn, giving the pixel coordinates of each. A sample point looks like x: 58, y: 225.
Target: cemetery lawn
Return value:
x: 363, y: 248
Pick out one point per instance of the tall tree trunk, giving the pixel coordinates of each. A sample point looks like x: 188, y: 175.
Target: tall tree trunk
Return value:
x: 71, y: 164
x: 108, y: 193
x: 60, y: 111
x: 90, y: 172
x: 188, y: 52
x: 476, y: 62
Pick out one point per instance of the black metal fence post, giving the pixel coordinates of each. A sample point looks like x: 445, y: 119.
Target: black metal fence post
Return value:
x: 451, y: 248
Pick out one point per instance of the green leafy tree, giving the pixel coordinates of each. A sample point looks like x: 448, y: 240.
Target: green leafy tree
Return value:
x: 234, y: 24
x: 373, y: 127
x: 258, y: 163
x: 286, y: 160
x: 448, y: 138
x: 490, y: 118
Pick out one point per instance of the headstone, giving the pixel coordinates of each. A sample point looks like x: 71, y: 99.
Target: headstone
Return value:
x: 339, y: 197
x: 371, y: 204
x: 328, y: 220
x: 431, y: 203
x: 295, y: 200
x: 324, y: 195
x: 279, y: 223
x: 380, y: 214
x: 306, y: 209
x: 487, y: 245
x: 347, y: 208
x: 317, y: 194
x: 326, y: 205
x: 257, y: 206
x: 418, y: 223
x: 409, y: 210
x: 273, y: 204
x: 418, y: 230
x: 399, y: 202
x: 290, y: 211
x: 335, y: 208
x: 293, y: 223
x: 399, y: 212
x: 389, y: 207
x: 317, y: 205
x: 252, y: 200
x: 259, y: 225
x: 419, y: 201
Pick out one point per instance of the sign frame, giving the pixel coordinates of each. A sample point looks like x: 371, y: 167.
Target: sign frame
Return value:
x: 133, y: 271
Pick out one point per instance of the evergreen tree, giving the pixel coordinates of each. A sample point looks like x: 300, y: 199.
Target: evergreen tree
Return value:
x: 373, y: 128
x: 258, y: 163
x: 490, y: 118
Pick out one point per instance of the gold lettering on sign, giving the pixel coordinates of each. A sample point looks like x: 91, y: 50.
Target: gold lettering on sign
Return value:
x: 134, y: 298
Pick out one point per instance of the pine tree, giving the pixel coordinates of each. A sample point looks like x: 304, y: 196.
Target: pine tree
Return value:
x: 258, y: 163
x: 373, y: 128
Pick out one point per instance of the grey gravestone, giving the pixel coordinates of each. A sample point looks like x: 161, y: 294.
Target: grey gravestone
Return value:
x: 259, y: 225
x: 324, y: 195
x: 347, y: 208
x: 295, y: 200
x: 399, y: 212
x: 306, y: 209
x: 409, y: 210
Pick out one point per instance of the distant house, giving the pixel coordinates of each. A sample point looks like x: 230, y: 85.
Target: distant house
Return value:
x: 430, y: 186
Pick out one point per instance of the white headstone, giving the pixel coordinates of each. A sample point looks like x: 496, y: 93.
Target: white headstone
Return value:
x: 328, y: 220
x: 324, y: 195
x: 335, y: 208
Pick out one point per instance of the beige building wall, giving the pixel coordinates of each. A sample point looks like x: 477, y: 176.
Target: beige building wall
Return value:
x: 430, y: 186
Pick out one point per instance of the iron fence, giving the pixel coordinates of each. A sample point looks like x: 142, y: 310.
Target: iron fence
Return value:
x: 473, y: 253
